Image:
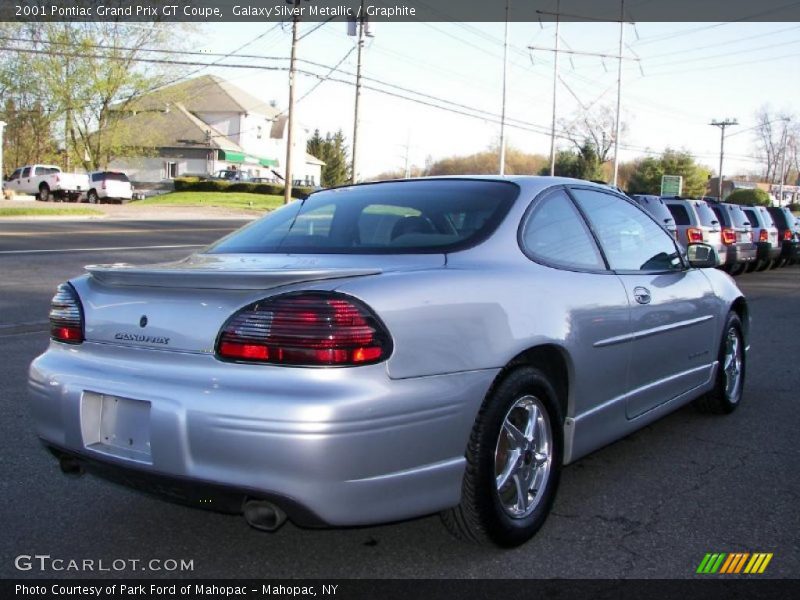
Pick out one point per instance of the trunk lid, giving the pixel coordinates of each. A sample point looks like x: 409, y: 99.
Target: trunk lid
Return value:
x: 182, y: 306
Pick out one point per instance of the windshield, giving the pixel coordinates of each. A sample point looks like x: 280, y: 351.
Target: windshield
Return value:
x: 401, y: 217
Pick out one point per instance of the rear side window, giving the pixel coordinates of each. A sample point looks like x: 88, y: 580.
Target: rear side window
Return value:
x: 401, y: 217
x: 722, y: 217
x: 557, y: 235
x: 751, y: 216
x: 680, y: 214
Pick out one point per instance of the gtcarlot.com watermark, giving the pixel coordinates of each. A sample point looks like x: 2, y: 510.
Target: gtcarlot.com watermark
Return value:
x: 47, y: 563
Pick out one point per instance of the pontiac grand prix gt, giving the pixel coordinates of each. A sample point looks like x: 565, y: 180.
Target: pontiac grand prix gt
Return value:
x: 383, y: 351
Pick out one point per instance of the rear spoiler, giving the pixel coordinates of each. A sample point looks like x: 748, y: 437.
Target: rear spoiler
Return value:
x: 242, y: 279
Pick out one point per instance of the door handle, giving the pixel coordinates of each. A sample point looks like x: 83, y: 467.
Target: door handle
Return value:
x: 642, y: 295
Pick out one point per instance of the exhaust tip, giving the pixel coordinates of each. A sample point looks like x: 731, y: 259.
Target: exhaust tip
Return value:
x: 70, y: 466
x: 263, y: 515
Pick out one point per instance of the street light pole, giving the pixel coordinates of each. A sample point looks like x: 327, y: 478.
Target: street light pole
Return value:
x: 2, y: 179
x: 722, y: 125
x: 287, y: 188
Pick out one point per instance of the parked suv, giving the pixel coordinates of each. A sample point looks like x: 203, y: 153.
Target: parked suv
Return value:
x: 785, y: 222
x: 765, y: 235
x: 737, y: 234
x: 109, y: 185
x: 696, y: 222
x: 658, y: 210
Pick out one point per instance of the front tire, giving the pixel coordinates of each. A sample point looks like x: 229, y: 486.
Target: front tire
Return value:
x: 729, y: 386
x: 513, y: 462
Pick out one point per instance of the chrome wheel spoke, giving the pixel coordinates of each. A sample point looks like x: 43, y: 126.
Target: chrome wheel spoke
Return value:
x: 522, y: 493
x: 533, y: 419
x: 517, y: 437
x: 508, y: 470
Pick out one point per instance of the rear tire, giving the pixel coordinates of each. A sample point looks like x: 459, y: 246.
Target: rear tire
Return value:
x: 92, y: 197
x: 729, y: 385
x: 44, y: 193
x: 516, y: 443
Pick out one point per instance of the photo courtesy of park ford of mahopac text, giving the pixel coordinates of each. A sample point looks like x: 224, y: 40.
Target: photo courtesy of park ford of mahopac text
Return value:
x: 393, y: 299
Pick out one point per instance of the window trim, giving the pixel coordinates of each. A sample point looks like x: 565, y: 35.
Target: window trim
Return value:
x: 533, y: 257
x: 681, y: 254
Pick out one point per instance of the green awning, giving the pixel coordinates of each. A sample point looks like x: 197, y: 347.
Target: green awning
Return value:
x: 242, y: 158
x: 231, y: 156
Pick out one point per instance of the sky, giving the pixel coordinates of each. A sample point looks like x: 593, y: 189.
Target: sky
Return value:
x: 687, y: 75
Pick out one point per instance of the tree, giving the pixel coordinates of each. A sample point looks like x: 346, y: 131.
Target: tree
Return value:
x: 595, y: 128
x: 486, y: 163
x: 84, y: 76
x: 771, y: 144
x: 754, y: 196
x: 333, y: 151
x: 647, y: 173
x: 583, y: 164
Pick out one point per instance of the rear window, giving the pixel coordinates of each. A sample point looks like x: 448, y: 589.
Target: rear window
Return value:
x: 705, y: 214
x: 384, y: 218
x: 112, y: 177
x: 737, y: 216
x: 680, y: 213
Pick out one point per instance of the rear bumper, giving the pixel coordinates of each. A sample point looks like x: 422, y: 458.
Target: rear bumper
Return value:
x: 329, y: 446
x: 790, y: 250
x: 741, y: 253
x: 766, y: 251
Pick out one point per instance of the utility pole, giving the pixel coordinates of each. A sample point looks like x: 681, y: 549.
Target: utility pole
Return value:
x: 407, y: 169
x: 360, y: 42
x: 619, y: 90
x: 619, y: 56
x: 503, y: 112
x: 722, y: 125
x: 287, y: 188
x: 783, y: 160
x: 555, y: 94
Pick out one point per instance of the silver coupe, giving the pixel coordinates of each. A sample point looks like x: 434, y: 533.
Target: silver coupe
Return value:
x: 383, y: 351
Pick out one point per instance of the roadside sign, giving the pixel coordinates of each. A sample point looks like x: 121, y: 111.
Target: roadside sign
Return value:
x: 671, y: 185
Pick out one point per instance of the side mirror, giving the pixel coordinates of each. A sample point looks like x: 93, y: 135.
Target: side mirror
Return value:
x: 701, y: 256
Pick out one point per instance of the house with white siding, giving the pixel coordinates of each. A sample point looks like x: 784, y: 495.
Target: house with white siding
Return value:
x: 204, y: 125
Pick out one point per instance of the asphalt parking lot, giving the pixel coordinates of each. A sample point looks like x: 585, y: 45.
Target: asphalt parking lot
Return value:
x: 650, y: 505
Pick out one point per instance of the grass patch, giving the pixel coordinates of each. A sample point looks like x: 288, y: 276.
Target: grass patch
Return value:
x: 42, y: 211
x: 260, y: 202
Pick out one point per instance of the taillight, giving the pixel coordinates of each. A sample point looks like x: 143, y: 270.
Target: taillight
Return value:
x: 58, y: 179
x: 309, y: 329
x: 694, y: 234
x: 728, y: 236
x: 763, y: 236
x: 66, y: 316
x: 787, y: 235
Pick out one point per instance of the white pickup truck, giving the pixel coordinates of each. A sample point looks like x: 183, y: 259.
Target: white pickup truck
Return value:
x: 48, y: 182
